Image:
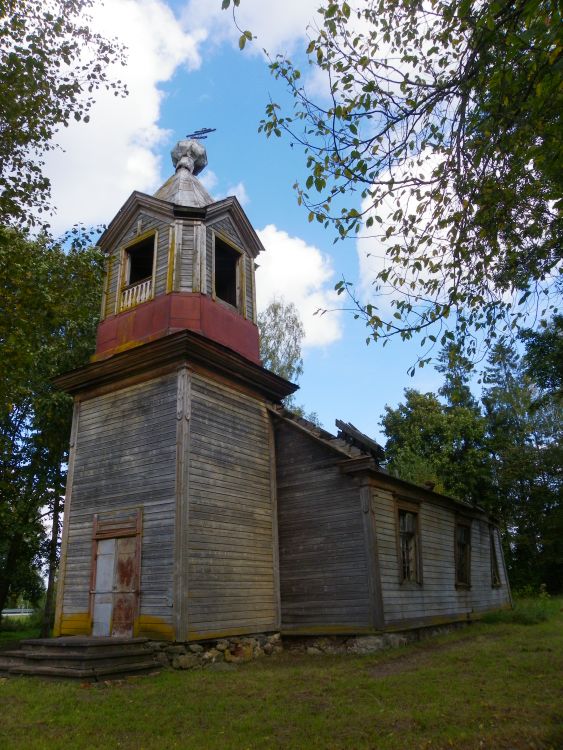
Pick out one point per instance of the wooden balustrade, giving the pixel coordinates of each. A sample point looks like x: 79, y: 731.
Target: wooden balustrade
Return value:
x: 135, y: 294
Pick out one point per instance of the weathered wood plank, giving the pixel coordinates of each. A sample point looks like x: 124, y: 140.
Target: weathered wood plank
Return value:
x: 231, y: 514
x: 323, y: 573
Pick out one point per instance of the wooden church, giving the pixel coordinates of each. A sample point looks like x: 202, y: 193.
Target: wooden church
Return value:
x: 198, y: 507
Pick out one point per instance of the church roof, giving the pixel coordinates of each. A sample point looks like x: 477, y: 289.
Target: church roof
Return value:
x: 183, y: 188
x: 364, y: 454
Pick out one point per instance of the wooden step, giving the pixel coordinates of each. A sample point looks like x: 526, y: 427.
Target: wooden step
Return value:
x: 81, y: 658
x: 85, y: 673
x: 86, y: 655
x: 79, y: 643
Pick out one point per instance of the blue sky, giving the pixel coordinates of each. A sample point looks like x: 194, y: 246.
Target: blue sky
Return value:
x: 185, y: 72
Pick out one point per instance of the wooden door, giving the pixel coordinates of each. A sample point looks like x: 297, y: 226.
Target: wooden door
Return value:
x: 124, y: 587
x: 103, y: 587
x: 115, y: 587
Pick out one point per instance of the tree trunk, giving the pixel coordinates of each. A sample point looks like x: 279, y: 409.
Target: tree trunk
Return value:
x: 49, y: 611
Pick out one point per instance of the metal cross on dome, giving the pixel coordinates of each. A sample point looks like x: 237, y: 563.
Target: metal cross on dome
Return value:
x: 200, y: 135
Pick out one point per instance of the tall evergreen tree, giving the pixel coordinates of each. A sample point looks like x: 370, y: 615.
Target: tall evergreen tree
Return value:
x: 525, y: 443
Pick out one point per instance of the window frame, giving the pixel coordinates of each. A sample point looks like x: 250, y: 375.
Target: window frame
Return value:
x: 240, y: 280
x: 462, y: 522
x: 403, y: 505
x: 126, y: 268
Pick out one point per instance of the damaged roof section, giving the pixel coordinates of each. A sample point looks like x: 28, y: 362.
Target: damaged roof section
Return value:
x: 352, y: 436
x: 350, y: 441
x: 361, y: 453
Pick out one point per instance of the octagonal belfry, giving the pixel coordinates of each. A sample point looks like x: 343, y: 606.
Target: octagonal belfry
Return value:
x: 179, y: 260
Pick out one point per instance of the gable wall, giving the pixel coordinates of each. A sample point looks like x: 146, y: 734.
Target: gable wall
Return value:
x: 323, y: 563
x: 437, y: 597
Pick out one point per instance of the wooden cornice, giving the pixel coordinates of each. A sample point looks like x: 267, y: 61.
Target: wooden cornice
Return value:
x: 170, y: 211
x: 232, y: 208
x: 176, y: 348
x: 366, y: 468
x: 126, y: 213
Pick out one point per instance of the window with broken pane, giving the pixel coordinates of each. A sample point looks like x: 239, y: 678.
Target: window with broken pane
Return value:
x: 463, y: 554
x: 408, y: 544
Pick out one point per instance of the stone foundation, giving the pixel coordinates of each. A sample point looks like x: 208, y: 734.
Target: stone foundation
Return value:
x: 364, y: 644
x: 225, y: 653
x: 218, y: 655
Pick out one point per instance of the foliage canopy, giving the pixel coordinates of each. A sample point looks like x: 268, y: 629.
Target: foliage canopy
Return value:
x: 51, y: 63
x: 503, y: 452
x: 281, y: 335
x: 440, y: 139
x: 47, y: 324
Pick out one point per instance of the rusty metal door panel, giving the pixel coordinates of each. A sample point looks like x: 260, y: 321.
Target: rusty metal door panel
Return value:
x: 124, y: 586
x: 103, y: 593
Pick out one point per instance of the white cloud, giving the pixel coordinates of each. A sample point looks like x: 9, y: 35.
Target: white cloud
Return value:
x: 278, y: 24
x: 300, y: 273
x: 208, y: 179
x: 113, y: 155
x: 240, y: 191
x: 371, y: 245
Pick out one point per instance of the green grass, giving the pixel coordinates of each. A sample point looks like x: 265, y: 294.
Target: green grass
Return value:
x: 488, y: 686
x: 527, y: 611
x: 9, y: 638
x: 15, y: 629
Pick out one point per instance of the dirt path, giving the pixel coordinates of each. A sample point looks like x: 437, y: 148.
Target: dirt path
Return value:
x: 424, y: 655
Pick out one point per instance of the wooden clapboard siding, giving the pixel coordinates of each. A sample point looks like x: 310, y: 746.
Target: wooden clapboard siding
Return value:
x: 231, y: 576
x: 249, y: 291
x: 437, y: 595
x: 483, y: 595
x: 113, y: 271
x: 209, y: 261
x: 187, y: 256
x: 227, y: 228
x: 125, y: 459
x: 323, y: 562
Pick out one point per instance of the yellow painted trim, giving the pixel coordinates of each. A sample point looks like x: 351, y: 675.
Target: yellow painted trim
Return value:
x: 139, y: 238
x: 150, y: 626
x: 171, y: 261
x: 107, y: 275
x: 125, y: 265
x: 59, y: 599
x: 240, y: 303
x: 253, y: 290
x: 77, y: 623
x: 242, y: 285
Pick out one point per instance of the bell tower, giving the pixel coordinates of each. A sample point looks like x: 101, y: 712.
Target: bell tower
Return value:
x: 170, y: 528
x: 179, y: 260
